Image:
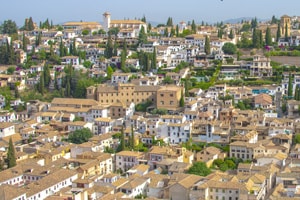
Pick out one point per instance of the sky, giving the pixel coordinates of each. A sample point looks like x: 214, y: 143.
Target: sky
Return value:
x: 211, y: 11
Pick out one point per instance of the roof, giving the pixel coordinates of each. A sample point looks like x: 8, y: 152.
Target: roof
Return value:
x: 263, y: 99
x: 126, y: 22
x: 73, y: 101
x: 129, y: 153
x: 5, y: 125
x: 10, y: 192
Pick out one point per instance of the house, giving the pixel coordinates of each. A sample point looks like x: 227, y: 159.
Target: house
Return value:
x: 78, y: 125
x: 263, y: 101
x: 6, y: 129
x: 181, y: 184
x: 140, y: 169
x: 103, y: 125
x: 70, y: 60
x: 6, y: 116
x: 117, y: 77
x: 261, y: 67
x: 168, y: 97
x: 50, y: 184
x: 135, y: 186
x: 209, y: 154
x: 127, y: 159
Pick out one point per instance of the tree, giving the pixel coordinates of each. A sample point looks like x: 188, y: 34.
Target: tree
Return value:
x: 286, y: 35
x: 170, y: 21
x: 290, y: 87
x: 30, y: 25
x: 194, y: 27
x: 11, y: 155
x: 47, y: 76
x: 24, y: 42
x: 231, y: 35
x: 153, y: 61
x: 132, y: 138
x: 255, y: 38
x: 268, y: 37
x: 254, y: 23
x: 177, y: 30
x: 85, y: 32
x: 80, y: 136
x: 9, y: 27
x: 41, y: 85
x: 168, y: 80
x: 142, y: 36
x: 274, y: 20
x: 207, y: 45
x: 297, y: 138
x: 278, y: 33
x: 109, y: 72
x: 122, y: 141
x: 109, y: 47
x: 199, y: 168
x: 181, y: 101
x: 229, y: 48
x: 143, y: 19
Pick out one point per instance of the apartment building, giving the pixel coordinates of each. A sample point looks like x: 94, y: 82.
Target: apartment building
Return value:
x: 168, y: 97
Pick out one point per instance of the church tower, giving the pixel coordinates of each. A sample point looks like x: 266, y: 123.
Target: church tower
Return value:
x: 106, y: 21
x: 285, y: 21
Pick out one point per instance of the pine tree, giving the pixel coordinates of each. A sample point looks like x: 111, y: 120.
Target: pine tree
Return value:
x: 207, y: 45
x: 278, y: 34
x: 11, y: 155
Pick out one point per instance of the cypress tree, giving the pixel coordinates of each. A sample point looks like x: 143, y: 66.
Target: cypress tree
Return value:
x: 11, y: 155
x: 181, y: 101
x: 47, y: 77
x: 177, y: 30
x: 132, y: 138
x: 24, y: 41
x: 30, y: 24
x: 290, y: 87
x: 153, y: 61
x: 296, y: 93
x: 207, y: 45
x: 193, y: 26
x: 286, y: 35
x: 231, y: 35
x: 109, y: 47
x: 278, y: 34
x: 268, y: 37
x: 41, y: 85
x: 122, y: 140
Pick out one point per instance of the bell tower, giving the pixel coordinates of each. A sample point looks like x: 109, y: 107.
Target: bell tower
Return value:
x: 106, y: 21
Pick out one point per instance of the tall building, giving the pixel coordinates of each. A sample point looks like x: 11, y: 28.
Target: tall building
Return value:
x: 285, y: 21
